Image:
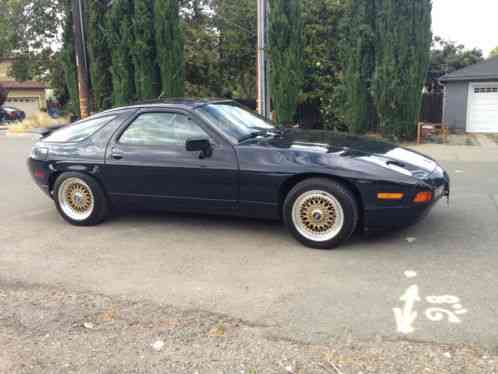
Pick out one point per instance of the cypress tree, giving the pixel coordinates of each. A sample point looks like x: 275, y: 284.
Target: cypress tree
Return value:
x: 403, y: 52
x: 357, y: 55
x: 169, y: 45
x: 236, y: 47
x: 69, y: 60
x: 322, y: 20
x: 120, y: 39
x: 286, y: 54
x: 99, y: 55
x: 147, y: 76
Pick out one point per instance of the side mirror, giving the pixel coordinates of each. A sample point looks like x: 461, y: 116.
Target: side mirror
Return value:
x: 200, y: 145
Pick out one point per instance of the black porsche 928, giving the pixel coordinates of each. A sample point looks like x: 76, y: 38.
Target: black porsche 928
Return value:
x: 216, y: 157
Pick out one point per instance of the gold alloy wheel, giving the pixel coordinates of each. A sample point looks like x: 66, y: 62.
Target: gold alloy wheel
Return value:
x: 318, y: 216
x: 76, y: 199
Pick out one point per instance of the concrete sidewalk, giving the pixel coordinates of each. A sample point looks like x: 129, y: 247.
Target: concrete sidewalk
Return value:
x: 442, y: 152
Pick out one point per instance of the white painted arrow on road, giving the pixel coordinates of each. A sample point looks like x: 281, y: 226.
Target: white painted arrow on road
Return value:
x: 406, y: 316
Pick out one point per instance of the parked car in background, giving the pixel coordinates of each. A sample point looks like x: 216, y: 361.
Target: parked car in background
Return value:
x: 213, y: 156
x: 10, y: 114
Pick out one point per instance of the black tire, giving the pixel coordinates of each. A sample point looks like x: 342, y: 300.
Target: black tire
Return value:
x: 100, y: 208
x: 342, y: 195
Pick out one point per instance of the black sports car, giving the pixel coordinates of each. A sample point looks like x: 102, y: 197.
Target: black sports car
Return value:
x: 213, y: 156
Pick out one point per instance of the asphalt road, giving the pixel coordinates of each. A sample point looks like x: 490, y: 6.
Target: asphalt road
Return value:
x: 256, y: 271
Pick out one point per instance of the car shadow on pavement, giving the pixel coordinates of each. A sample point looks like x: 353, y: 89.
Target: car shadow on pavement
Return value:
x: 197, y: 222
x: 257, y: 229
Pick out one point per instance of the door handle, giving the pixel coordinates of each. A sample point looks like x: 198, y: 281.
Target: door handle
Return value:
x: 116, y: 155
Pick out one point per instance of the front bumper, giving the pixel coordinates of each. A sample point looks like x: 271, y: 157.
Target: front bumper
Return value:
x: 383, y: 218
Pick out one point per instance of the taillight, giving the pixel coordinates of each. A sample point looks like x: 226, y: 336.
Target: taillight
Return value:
x: 39, y: 173
x: 423, y: 197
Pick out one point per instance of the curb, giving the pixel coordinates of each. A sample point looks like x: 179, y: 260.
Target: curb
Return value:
x: 22, y: 135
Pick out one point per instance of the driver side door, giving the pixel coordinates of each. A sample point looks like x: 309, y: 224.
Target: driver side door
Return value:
x: 147, y: 164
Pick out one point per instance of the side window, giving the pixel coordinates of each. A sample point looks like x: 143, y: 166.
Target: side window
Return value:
x: 79, y: 131
x: 161, y: 129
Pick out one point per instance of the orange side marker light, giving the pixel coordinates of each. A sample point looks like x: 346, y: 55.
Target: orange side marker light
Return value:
x: 390, y: 196
x: 423, y: 197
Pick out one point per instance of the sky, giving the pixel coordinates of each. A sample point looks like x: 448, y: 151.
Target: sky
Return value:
x: 473, y: 23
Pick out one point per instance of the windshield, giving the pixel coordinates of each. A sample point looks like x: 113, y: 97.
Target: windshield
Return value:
x: 235, y: 121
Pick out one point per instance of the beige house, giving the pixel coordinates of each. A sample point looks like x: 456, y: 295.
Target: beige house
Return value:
x: 28, y: 96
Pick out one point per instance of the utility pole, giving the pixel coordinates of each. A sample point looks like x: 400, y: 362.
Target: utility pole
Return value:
x: 81, y: 59
x: 262, y: 63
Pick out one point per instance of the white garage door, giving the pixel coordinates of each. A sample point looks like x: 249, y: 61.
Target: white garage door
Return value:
x: 29, y: 105
x: 483, y: 107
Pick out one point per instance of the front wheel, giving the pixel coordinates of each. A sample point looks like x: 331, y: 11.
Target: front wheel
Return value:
x: 321, y: 213
x: 80, y: 199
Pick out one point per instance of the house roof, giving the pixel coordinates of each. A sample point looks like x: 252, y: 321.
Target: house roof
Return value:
x: 26, y: 85
x: 486, y: 70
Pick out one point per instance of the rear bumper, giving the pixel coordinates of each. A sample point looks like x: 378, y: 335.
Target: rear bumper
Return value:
x: 40, y: 172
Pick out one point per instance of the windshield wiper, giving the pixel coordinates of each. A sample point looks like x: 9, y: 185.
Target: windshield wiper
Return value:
x: 253, y: 135
x: 281, y: 131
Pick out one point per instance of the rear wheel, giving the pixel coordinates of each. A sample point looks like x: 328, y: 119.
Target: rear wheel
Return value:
x: 80, y: 199
x: 321, y: 213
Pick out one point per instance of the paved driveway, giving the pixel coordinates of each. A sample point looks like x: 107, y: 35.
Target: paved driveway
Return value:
x: 256, y: 271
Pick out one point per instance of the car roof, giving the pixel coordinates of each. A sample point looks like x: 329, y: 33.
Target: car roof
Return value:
x: 178, y: 103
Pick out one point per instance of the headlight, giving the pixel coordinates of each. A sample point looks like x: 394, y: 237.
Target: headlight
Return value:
x: 386, y: 163
x: 397, y: 167
x: 421, y: 174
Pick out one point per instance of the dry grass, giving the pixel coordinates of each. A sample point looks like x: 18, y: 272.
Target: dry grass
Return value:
x: 40, y: 120
x: 493, y: 137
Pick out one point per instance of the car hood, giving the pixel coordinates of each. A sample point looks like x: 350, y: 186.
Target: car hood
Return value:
x: 362, y: 148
